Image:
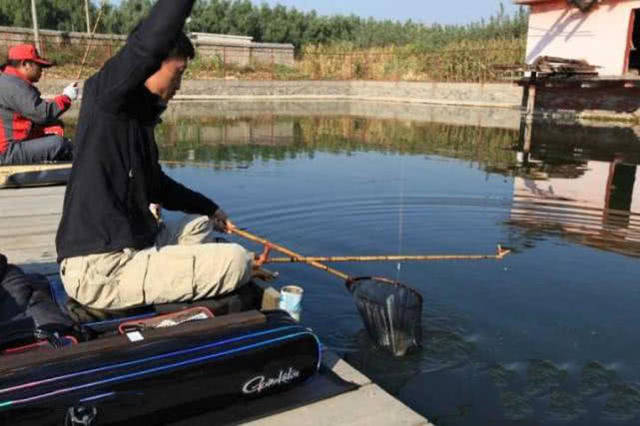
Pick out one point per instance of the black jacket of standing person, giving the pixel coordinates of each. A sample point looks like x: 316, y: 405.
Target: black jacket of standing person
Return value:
x: 115, y: 173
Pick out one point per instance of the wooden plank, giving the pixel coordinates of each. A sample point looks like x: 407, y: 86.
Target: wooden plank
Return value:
x: 368, y: 406
x: 42, y: 255
x: 31, y: 192
x: 26, y: 241
x: 40, y: 174
x: 31, y: 202
x: 36, y: 224
x: 45, y: 205
x: 28, y: 223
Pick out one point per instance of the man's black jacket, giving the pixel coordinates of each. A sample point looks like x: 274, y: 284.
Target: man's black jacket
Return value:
x: 115, y: 172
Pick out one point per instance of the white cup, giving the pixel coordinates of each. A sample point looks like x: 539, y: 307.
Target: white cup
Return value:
x: 291, y: 299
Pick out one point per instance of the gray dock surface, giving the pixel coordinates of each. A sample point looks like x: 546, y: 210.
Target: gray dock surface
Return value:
x: 28, y: 222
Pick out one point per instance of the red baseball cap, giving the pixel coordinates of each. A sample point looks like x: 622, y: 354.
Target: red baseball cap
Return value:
x: 27, y: 52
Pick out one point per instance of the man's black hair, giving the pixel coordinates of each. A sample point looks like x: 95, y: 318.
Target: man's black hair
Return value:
x: 182, y: 48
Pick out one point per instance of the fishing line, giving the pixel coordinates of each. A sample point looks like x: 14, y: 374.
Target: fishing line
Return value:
x: 401, y: 214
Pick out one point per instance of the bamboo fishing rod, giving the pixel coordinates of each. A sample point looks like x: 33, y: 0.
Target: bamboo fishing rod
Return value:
x: 91, y: 36
x: 501, y: 253
x: 293, y: 255
x: 316, y: 260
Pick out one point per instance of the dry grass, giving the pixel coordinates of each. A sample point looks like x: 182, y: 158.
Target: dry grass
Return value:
x: 465, y: 61
x: 468, y: 61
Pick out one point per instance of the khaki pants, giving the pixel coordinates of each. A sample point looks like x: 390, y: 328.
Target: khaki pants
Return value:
x: 184, y: 265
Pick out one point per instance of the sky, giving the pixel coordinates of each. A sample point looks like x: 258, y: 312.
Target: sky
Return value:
x: 427, y: 11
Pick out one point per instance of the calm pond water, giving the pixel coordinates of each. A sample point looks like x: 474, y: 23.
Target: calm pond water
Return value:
x: 548, y: 336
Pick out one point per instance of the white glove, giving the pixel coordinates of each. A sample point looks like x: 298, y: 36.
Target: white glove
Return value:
x: 71, y: 91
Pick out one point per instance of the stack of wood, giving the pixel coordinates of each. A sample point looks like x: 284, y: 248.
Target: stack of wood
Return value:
x: 583, y: 5
x: 553, y: 65
x: 548, y: 66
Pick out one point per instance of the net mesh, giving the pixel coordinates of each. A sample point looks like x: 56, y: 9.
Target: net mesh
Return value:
x: 391, y: 311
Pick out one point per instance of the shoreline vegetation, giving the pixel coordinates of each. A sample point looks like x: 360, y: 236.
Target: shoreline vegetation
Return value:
x: 335, y: 47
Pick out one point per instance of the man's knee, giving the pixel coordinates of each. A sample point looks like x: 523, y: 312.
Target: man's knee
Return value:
x: 241, y: 261
x: 60, y: 141
x: 52, y: 148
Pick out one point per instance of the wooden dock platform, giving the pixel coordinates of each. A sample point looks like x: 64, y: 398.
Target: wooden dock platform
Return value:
x: 29, y: 219
x: 34, y: 175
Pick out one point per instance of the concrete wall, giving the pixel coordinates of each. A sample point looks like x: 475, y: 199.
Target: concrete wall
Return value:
x: 453, y: 115
x: 491, y: 105
x: 600, y: 36
x: 504, y: 95
x: 229, y: 49
x: 14, y: 35
x: 241, y: 54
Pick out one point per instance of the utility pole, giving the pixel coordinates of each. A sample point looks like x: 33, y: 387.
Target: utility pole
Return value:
x: 86, y: 11
x: 36, y: 31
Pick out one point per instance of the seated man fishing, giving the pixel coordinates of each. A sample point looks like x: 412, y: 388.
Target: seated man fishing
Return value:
x: 30, y: 130
x: 113, y: 253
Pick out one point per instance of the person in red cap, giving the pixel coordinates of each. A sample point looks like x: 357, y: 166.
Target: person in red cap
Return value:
x: 30, y: 127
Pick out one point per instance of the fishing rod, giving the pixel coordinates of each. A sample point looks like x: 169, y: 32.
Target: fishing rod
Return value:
x: 91, y: 36
x: 501, y: 254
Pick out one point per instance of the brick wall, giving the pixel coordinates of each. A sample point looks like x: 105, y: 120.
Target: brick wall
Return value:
x: 229, y: 49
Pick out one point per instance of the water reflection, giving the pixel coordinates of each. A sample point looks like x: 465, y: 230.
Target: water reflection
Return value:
x: 580, y: 183
x: 568, y: 180
x: 239, y: 142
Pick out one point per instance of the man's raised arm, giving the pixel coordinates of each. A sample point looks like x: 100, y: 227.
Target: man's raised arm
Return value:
x: 146, y: 48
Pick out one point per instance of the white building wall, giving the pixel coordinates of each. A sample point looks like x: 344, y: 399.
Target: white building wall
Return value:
x: 600, y: 36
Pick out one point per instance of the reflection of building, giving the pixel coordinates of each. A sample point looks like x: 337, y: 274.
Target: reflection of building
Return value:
x: 595, y: 202
x: 605, y: 33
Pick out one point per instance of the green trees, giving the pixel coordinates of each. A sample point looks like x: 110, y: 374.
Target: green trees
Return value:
x: 15, y: 13
x: 122, y: 19
x: 277, y: 24
x: 63, y: 15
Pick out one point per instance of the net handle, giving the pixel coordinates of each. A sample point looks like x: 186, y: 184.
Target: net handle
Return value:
x: 292, y: 254
x: 501, y: 253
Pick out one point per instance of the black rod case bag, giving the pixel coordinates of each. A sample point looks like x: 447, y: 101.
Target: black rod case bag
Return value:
x: 158, y: 375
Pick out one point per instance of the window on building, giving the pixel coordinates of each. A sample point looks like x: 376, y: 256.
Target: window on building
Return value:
x: 634, y: 48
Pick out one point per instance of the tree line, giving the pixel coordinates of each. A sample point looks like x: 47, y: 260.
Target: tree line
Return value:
x: 277, y: 24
